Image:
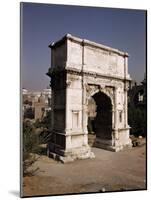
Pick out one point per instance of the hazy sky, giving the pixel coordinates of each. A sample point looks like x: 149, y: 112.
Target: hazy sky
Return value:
x: 44, y: 23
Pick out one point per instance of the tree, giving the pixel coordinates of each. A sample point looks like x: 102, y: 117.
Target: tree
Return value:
x: 137, y: 120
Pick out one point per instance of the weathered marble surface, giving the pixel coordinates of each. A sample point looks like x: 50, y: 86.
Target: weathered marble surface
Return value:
x: 80, y: 70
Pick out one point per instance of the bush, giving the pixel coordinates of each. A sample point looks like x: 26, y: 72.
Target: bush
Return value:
x: 29, y: 113
x: 30, y: 145
x: 34, y: 134
x: 137, y: 121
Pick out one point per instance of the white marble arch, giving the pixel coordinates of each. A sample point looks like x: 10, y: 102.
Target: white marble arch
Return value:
x: 80, y: 69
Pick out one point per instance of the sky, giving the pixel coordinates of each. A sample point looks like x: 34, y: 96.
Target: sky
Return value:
x: 42, y: 24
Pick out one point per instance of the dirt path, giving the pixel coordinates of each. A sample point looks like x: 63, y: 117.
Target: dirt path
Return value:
x: 109, y: 171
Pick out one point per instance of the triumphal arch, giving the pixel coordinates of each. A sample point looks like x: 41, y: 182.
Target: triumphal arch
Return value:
x: 82, y: 70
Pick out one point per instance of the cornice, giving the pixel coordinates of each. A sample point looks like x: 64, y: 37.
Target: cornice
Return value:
x: 86, y: 42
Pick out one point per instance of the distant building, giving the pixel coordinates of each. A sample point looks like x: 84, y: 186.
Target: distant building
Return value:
x: 24, y: 91
x: 36, y: 104
x: 137, y: 94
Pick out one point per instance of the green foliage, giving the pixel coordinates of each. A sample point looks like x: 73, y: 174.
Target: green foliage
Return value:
x: 30, y: 145
x: 137, y: 120
x: 35, y: 134
x: 45, y: 122
x: 29, y: 113
x: 30, y: 139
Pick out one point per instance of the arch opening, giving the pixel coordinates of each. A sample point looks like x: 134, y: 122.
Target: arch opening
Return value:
x: 100, y: 116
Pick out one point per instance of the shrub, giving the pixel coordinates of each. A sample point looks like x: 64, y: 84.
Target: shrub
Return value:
x: 30, y: 145
x: 137, y: 120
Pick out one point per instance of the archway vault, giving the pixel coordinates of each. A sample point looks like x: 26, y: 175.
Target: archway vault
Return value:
x: 82, y: 69
x: 102, y: 121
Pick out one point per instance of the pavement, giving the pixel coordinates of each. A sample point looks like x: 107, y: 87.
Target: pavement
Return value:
x: 108, y: 171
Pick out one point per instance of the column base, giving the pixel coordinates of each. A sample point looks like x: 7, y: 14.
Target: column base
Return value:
x: 112, y: 145
x: 70, y: 155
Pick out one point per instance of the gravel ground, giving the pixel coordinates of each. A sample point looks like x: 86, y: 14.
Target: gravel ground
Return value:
x: 108, y: 171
